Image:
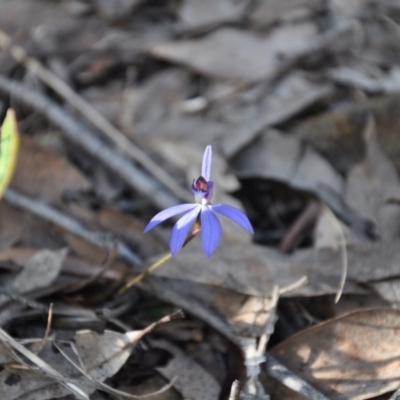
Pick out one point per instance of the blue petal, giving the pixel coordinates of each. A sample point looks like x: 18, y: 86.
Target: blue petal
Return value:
x: 206, y: 166
x: 168, y: 213
x: 181, y: 230
x: 234, y: 214
x: 211, y: 231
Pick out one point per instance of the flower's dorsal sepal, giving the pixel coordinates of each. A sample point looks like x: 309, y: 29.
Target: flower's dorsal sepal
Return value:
x: 206, y: 166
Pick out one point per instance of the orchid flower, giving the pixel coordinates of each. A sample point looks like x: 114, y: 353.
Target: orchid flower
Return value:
x: 201, y: 212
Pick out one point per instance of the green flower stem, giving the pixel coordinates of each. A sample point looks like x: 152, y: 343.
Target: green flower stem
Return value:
x: 160, y: 262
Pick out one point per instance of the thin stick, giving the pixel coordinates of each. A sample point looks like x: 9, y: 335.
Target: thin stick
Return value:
x: 305, y: 219
x: 82, y: 136
x: 293, y: 286
x: 47, y: 331
x: 395, y: 395
x: 235, y: 390
x: 92, y: 115
x: 343, y: 250
x: 64, y: 221
x: 278, y: 371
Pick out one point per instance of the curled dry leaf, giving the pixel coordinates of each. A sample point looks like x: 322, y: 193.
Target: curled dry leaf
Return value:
x: 355, y: 356
x: 103, y: 354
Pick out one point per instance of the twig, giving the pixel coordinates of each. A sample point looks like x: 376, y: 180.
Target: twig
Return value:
x: 85, y: 138
x: 235, y: 390
x: 64, y: 221
x: 395, y: 395
x: 42, y: 365
x: 293, y: 286
x: 253, y: 349
x: 278, y: 371
x: 304, y: 220
x: 47, y: 331
x: 343, y: 250
x: 270, y: 324
x: 92, y: 115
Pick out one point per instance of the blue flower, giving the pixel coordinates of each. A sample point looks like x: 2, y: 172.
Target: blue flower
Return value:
x: 202, y: 212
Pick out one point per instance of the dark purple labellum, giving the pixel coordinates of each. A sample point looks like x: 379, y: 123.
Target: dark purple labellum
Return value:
x: 200, y: 184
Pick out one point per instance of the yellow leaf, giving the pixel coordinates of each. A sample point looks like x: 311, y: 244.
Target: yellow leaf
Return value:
x: 8, y: 150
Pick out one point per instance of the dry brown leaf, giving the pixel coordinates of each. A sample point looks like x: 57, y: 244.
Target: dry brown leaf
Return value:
x: 71, y: 265
x: 24, y: 13
x: 279, y: 157
x: 388, y: 290
x: 338, y: 135
x: 355, y: 356
x: 295, y: 91
x: 193, y: 382
x: 367, y: 78
x: 347, y: 8
x: 233, y: 54
x: 266, y: 13
x: 154, y: 111
x: 371, y: 184
x: 24, y: 228
x: 255, y: 270
x: 246, y: 315
x: 45, y: 174
x: 208, y: 13
x: 116, y: 10
x: 233, y: 115
x: 41, y: 271
x: 104, y: 354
